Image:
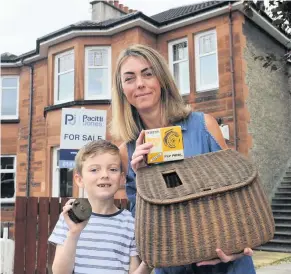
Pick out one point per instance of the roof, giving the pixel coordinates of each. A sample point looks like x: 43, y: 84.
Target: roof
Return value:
x: 106, y: 23
x: 159, y: 19
x: 91, y: 24
x: 95, y: 25
x: 7, y: 56
x: 185, y: 11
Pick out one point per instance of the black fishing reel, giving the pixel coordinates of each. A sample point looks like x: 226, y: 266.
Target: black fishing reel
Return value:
x: 81, y: 210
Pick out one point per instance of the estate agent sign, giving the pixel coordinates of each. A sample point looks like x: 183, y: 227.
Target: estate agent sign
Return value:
x: 79, y: 126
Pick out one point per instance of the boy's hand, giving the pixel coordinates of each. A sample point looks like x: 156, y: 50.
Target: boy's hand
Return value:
x: 74, y: 229
x: 137, y: 267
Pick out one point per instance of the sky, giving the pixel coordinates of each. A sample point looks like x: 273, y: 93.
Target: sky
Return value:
x: 23, y: 21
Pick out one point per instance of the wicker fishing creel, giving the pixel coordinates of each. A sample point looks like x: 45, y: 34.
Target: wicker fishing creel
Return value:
x: 187, y: 209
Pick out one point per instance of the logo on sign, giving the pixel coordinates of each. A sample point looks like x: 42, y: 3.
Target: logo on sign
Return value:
x: 95, y: 121
x: 70, y: 119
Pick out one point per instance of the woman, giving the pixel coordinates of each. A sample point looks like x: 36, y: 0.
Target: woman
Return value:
x: 145, y: 96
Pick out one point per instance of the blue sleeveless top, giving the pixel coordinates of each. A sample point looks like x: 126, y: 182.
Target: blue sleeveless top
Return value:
x: 197, y: 140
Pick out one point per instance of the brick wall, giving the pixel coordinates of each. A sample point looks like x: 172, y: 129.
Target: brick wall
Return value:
x: 22, y: 142
x: 219, y: 102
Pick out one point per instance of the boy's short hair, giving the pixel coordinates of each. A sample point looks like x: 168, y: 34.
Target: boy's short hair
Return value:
x: 91, y: 149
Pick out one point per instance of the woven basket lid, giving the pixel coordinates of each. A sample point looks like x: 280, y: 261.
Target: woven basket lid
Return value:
x: 194, y: 177
x: 81, y: 210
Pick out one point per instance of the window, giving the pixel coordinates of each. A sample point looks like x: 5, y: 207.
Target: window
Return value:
x: 62, y: 178
x: 9, y: 97
x: 206, y: 61
x: 64, y: 77
x: 97, y: 73
x: 179, y: 64
x: 8, y: 172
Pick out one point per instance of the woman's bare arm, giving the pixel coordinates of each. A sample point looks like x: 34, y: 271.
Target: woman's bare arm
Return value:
x: 214, y: 130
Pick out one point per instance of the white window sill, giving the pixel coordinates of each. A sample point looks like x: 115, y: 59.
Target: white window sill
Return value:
x: 64, y: 101
x: 9, y: 117
x: 7, y: 200
x: 98, y: 98
x: 207, y: 89
x: 185, y: 93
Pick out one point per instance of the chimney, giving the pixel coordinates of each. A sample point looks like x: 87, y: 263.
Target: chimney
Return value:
x: 104, y: 10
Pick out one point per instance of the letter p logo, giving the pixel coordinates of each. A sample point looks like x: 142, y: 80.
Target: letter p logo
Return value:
x: 70, y: 119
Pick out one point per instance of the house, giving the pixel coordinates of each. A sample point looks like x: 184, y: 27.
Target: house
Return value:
x: 210, y: 48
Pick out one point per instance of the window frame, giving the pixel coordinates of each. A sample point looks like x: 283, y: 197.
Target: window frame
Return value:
x: 56, y: 78
x: 56, y: 174
x: 87, y: 96
x: 199, y: 86
x: 172, y: 62
x: 16, y: 116
x: 14, y: 170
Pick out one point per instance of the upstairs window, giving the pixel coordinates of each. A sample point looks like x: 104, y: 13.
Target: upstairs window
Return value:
x: 179, y: 64
x: 97, y: 73
x: 206, y: 61
x: 8, y: 172
x: 9, y: 97
x: 64, y: 77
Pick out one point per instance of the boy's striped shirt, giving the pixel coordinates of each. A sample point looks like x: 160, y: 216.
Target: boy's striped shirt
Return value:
x: 105, y: 245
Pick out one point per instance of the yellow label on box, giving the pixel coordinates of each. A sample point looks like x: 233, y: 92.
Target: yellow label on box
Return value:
x: 168, y: 144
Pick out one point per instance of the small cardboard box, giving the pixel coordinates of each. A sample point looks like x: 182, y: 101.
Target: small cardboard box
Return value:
x: 168, y: 144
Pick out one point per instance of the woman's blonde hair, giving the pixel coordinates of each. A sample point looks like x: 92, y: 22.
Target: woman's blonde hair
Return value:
x: 126, y: 123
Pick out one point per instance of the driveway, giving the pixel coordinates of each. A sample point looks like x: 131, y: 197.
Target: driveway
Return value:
x: 284, y: 268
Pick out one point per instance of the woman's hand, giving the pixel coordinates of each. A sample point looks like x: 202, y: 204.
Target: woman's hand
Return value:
x: 225, y: 258
x: 141, y: 149
x: 74, y: 228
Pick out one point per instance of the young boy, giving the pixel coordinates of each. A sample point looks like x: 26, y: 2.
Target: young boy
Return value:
x: 105, y: 243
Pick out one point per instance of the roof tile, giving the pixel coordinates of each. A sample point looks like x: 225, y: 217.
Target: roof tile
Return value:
x: 182, y: 11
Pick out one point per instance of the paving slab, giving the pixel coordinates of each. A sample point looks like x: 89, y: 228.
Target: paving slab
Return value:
x: 264, y: 258
x: 284, y: 268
